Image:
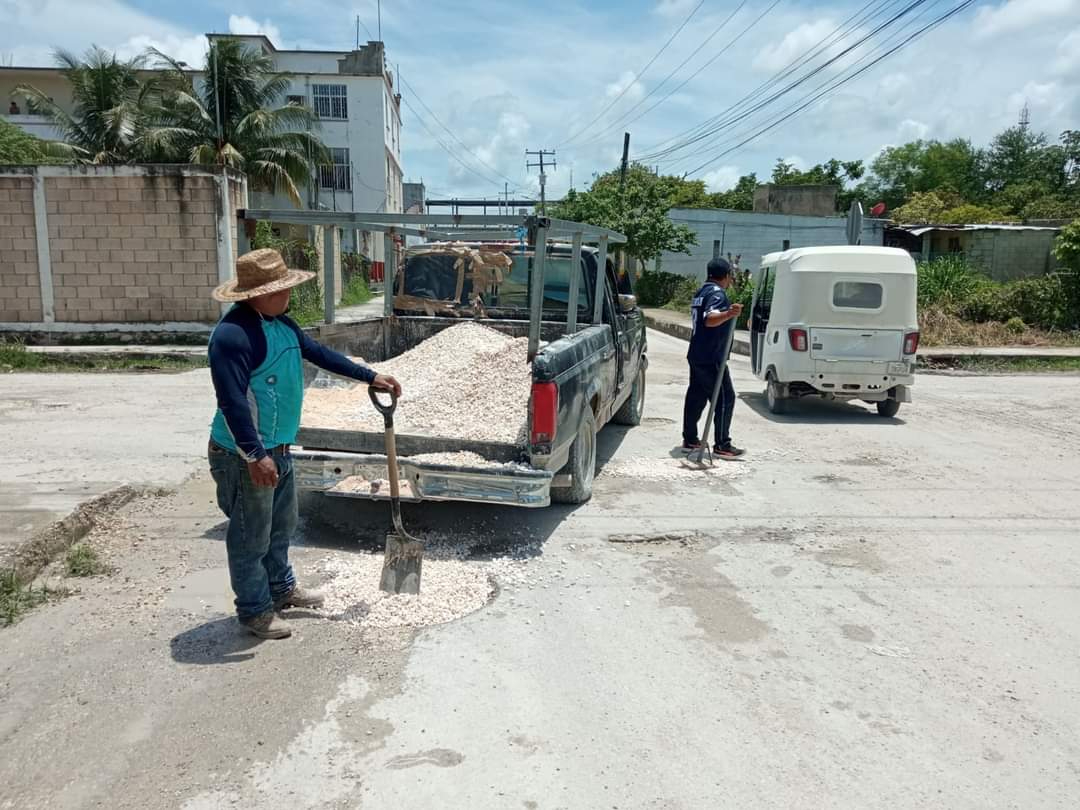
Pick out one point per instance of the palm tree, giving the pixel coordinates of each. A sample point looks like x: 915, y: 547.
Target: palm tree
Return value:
x: 233, y: 120
x: 108, y: 102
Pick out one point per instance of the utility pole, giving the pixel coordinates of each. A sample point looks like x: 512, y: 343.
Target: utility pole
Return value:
x: 541, y: 165
x: 379, y: 6
x: 357, y: 32
x: 625, y: 163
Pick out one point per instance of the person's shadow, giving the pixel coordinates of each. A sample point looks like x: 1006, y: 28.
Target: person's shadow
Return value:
x: 220, y: 641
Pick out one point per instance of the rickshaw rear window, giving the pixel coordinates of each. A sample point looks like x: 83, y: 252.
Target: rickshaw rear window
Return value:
x: 857, y: 295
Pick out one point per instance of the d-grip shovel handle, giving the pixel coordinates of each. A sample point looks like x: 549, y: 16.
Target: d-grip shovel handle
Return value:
x: 386, y: 410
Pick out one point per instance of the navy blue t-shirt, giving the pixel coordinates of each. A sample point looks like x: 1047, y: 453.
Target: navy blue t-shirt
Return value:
x: 707, y: 343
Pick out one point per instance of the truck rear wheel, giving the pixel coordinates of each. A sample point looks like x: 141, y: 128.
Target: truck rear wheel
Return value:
x: 631, y: 410
x: 581, y: 466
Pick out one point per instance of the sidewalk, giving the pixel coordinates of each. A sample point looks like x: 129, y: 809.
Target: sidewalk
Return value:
x: 677, y: 324
x: 372, y: 309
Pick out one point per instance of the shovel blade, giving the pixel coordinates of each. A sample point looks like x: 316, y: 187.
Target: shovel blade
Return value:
x: 401, y: 565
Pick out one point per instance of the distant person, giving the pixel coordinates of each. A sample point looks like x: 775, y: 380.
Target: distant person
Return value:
x: 712, y: 318
x: 256, y: 364
x: 13, y: 109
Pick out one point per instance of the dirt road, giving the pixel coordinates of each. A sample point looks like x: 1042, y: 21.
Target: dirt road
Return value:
x: 864, y: 613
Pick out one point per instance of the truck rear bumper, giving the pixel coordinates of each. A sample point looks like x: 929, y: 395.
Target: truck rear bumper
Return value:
x: 349, y: 475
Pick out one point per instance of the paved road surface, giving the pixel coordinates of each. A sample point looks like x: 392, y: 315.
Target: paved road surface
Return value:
x: 865, y: 613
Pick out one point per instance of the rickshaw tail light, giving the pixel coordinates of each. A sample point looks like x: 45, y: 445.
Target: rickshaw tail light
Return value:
x: 911, y: 342
x: 797, y: 339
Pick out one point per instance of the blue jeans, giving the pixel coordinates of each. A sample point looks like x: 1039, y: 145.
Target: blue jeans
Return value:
x: 262, y: 522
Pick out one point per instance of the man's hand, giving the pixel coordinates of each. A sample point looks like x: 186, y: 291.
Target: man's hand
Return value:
x: 736, y: 310
x: 386, y: 383
x: 263, y: 472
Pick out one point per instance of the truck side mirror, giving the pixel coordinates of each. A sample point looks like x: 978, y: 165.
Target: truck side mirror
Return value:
x: 627, y: 303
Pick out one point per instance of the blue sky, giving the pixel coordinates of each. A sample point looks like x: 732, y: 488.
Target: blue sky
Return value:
x: 510, y: 76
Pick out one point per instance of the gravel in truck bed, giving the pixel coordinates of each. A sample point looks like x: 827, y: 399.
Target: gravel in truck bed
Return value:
x: 467, y: 382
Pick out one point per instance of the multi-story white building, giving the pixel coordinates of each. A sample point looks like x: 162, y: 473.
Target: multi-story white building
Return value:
x: 351, y: 92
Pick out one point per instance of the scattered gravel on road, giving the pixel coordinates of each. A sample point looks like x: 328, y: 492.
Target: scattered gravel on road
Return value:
x: 467, y: 382
x: 646, y: 468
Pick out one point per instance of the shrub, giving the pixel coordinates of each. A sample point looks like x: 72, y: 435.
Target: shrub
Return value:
x: 948, y: 282
x: 657, y: 288
x: 1016, y: 326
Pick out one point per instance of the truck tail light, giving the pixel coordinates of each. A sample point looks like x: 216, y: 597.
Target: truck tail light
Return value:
x: 797, y: 339
x: 545, y: 412
x: 911, y: 342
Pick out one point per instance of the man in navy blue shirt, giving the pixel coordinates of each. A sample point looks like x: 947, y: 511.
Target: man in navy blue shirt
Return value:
x: 256, y: 363
x: 712, y: 318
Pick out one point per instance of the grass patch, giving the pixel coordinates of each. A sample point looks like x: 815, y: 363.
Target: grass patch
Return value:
x: 16, y: 357
x: 937, y: 327
x: 82, y: 560
x: 1004, y: 365
x: 356, y: 291
x: 17, y: 598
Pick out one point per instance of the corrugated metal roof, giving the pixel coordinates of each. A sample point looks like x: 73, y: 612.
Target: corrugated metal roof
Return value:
x: 919, y: 230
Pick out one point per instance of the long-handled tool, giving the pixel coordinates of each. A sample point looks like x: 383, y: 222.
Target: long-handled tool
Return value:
x: 706, y: 446
x: 404, y: 553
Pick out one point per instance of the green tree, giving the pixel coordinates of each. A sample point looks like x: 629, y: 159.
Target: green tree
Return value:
x: 738, y: 198
x: 1067, y: 251
x: 640, y: 211
x: 109, y: 101
x: 831, y: 172
x: 924, y: 166
x: 235, y: 120
x: 21, y: 148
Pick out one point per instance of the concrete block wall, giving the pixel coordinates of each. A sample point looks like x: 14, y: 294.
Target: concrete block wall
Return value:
x: 754, y: 234
x: 20, y: 290
x: 125, y: 246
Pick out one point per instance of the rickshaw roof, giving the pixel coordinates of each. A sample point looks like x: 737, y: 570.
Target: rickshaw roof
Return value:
x: 847, y: 259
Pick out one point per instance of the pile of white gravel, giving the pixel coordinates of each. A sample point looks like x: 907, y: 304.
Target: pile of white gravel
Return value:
x: 467, y: 382
x: 451, y: 586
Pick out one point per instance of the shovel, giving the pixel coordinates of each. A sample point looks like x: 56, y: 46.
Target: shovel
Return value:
x: 404, y: 554
x: 706, y: 446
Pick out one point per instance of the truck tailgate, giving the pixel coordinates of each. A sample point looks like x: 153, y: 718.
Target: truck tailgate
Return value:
x: 864, y: 345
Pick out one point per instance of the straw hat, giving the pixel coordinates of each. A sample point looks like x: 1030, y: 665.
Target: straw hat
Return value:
x: 258, y: 273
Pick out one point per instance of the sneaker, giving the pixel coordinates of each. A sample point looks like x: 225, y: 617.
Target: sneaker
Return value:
x: 267, y: 625
x: 301, y: 598
x: 728, y: 451
x: 690, y: 447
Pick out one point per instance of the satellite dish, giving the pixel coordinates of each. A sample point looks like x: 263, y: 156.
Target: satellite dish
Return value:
x: 877, y: 210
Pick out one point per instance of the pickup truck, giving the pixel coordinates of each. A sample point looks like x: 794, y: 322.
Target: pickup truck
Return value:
x: 582, y: 378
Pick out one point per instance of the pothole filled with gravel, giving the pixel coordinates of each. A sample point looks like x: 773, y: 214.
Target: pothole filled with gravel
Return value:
x: 453, y: 584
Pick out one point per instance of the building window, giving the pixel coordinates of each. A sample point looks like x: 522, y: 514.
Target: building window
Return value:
x: 296, y: 101
x: 339, y: 174
x: 330, y: 101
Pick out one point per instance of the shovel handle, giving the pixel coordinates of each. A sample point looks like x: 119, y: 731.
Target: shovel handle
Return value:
x: 386, y: 410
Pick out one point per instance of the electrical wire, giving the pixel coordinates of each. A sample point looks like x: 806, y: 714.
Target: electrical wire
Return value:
x: 446, y: 148
x: 635, y: 80
x: 788, y: 115
x: 733, y: 114
x: 438, y: 121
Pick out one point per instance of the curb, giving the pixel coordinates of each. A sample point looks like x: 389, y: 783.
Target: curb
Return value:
x: 740, y: 345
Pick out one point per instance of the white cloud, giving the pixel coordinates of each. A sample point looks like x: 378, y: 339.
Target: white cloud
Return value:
x: 912, y: 130
x: 771, y: 58
x: 191, y: 50
x: 1014, y: 16
x: 1068, y: 60
x: 242, y: 24
x: 674, y: 8
x: 628, y: 82
x: 722, y: 178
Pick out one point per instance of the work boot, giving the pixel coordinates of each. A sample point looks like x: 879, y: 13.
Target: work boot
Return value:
x: 301, y: 598
x: 691, y: 447
x: 267, y: 625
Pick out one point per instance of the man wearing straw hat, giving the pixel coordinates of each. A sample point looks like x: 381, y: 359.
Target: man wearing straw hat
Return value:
x: 256, y: 354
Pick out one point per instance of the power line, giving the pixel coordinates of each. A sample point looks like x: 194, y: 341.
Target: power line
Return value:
x: 637, y: 76
x: 446, y: 148
x: 689, y: 78
x: 730, y: 113
x: 835, y: 85
x: 663, y: 147
x: 450, y: 132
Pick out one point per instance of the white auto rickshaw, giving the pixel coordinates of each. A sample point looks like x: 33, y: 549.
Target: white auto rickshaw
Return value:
x: 835, y: 322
